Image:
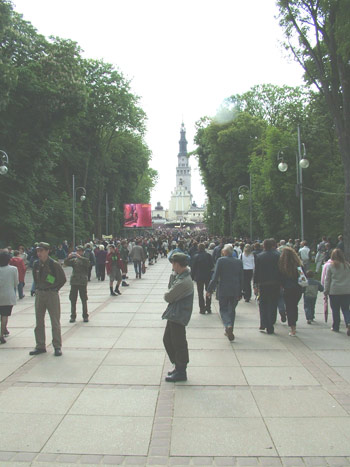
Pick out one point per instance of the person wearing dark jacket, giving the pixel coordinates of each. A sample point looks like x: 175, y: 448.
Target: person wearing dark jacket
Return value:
x: 101, y: 255
x: 267, y: 284
x: 289, y: 262
x: 229, y: 273
x: 201, y: 271
x: 178, y: 314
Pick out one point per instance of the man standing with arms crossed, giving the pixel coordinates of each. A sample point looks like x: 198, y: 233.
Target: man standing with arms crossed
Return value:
x: 49, y: 277
x: 178, y: 314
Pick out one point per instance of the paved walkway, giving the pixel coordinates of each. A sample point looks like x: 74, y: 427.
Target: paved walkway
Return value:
x: 263, y: 400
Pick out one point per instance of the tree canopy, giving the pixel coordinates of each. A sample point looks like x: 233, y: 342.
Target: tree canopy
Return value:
x: 61, y: 114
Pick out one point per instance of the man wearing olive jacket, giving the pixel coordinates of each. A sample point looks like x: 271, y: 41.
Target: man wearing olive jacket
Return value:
x: 178, y: 314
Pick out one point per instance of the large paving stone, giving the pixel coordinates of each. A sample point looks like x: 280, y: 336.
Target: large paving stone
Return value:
x: 37, y: 400
x: 108, y: 374
x: 327, y: 436
x: 310, y: 402
x: 222, y: 437
x: 26, y: 432
x: 278, y: 376
x: 90, y: 434
x: 214, y: 403
x: 116, y: 401
x: 75, y: 366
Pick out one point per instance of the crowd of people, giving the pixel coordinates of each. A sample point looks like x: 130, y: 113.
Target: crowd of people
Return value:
x: 277, y: 273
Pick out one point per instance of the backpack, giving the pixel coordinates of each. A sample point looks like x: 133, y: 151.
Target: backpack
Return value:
x: 90, y: 256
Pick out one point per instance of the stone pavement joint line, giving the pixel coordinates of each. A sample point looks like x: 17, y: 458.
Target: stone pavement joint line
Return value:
x: 265, y: 400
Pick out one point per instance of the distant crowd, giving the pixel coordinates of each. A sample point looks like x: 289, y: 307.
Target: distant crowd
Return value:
x: 278, y: 273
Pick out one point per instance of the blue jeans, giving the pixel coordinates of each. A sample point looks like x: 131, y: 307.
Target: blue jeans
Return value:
x: 309, y: 307
x: 20, y: 289
x: 228, y: 310
x: 337, y: 302
x: 137, y: 267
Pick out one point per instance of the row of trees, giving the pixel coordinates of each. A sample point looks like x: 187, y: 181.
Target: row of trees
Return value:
x: 254, y: 127
x: 61, y: 114
x: 262, y: 123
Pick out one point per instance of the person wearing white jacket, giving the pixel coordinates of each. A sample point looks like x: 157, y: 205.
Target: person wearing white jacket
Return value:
x: 337, y: 286
x: 8, y: 285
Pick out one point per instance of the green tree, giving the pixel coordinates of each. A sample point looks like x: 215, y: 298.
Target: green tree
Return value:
x: 318, y: 35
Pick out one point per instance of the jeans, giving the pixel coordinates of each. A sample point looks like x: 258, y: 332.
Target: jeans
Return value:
x: 338, y: 302
x: 200, y: 289
x: 137, y: 267
x: 175, y: 344
x: 20, y: 289
x: 228, y: 310
x: 309, y: 307
x: 269, y: 296
x: 247, y: 283
x: 291, y: 298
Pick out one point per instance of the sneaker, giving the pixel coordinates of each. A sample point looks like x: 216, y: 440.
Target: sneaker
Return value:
x: 202, y: 312
x: 118, y: 291
x: 86, y: 319
x: 113, y: 294
x: 125, y: 284
x: 2, y: 340
x: 309, y: 321
x: 72, y: 320
x: 7, y: 332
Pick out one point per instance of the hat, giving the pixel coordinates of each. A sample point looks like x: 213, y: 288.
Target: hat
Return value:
x: 43, y: 245
x: 79, y: 247
x: 180, y: 258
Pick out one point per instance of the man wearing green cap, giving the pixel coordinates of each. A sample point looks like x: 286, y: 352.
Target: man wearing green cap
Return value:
x: 178, y: 314
x: 49, y: 277
x: 78, y: 282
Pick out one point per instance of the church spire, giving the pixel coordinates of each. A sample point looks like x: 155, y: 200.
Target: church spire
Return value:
x: 183, y: 141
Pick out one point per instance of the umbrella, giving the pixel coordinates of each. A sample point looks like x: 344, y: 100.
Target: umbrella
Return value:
x: 325, y: 307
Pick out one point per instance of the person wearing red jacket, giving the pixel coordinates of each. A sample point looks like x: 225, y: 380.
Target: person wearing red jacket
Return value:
x: 17, y: 261
x: 113, y: 267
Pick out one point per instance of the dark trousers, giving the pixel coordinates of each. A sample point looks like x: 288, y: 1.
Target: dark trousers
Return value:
x: 309, y: 307
x: 175, y: 344
x: 73, y: 295
x: 291, y: 297
x: 89, y: 272
x: 338, y: 302
x: 200, y: 289
x: 247, y: 283
x: 101, y: 271
x: 268, y: 301
x: 137, y: 267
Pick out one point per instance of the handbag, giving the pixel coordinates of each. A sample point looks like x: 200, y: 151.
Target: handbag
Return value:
x: 302, y: 279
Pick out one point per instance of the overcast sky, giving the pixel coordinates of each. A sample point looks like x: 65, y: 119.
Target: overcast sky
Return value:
x: 183, y: 57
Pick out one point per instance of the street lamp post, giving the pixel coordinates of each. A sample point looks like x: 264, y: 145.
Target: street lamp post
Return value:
x: 301, y: 163
x: 241, y: 191
x: 82, y: 198
x: 4, y: 160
